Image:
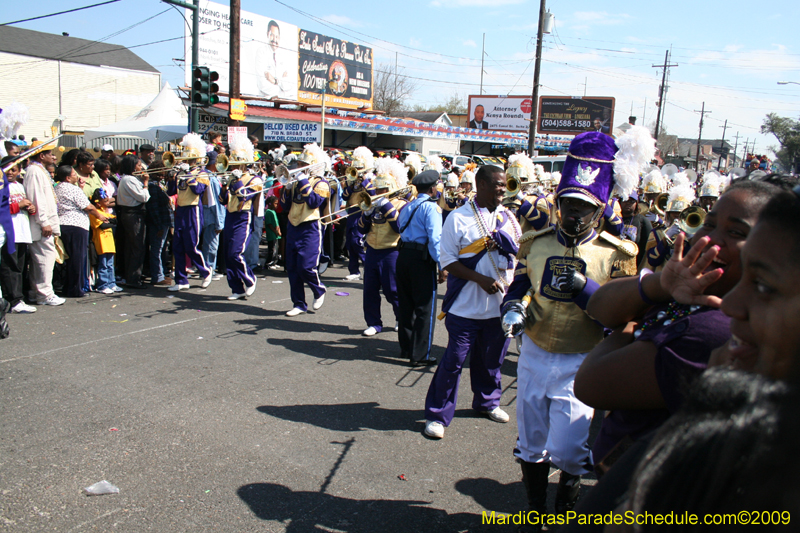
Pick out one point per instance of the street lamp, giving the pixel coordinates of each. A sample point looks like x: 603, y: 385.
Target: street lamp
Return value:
x: 788, y: 82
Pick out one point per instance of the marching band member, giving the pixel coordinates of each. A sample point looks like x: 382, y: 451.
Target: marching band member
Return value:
x: 363, y: 162
x: 710, y: 190
x: 559, y: 268
x: 242, y: 194
x: 445, y: 202
x: 189, y: 186
x: 479, y: 243
x: 653, y: 184
x: 379, y: 224
x: 420, y: 225
x: 303, y: 199
x: 213, y: 215
x: 659, y: 247
x: 534, y: 209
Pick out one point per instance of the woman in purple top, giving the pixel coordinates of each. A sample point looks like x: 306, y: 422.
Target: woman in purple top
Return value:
x: 668, y: 323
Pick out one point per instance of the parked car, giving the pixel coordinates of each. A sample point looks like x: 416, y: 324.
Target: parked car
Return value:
x: 456, y: 161
x: 553, y: 163
x: 481, y: 160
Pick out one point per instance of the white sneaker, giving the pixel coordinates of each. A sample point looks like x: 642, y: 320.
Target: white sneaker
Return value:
x: 318, y: 302
x: 206, y: 281
x: 498, y: 415
x: 251, y: 289
x: 22, y: 307
x: 107, y: 290
x: 53, y: 300
x: 397, y: 326
x: 176, y: 288
x: 235, y: 296
x: 370, y: 331
x: 434, y: 430
x: 117, y: 288
x: 275, y: 267
x: 294, y: 312
x: 216, y: 277
x: 353, y: 277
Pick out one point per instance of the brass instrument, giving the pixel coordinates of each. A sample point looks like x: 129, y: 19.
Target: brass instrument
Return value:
x: 452, y: 195
x: 365, y: 201
x: 285, y: 176
x: 660, y: 204
x: 30, y: 152
x: 513, y: 184
x: 691, y: 219
x: 411, y: 172
x: 168, y: 158
x: 352, y: 174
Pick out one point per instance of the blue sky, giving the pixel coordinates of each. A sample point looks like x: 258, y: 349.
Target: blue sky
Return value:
x: 730, y: 54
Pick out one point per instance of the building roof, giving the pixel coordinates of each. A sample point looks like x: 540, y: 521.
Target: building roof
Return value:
x: 57, y: 47
x: 426, y: 116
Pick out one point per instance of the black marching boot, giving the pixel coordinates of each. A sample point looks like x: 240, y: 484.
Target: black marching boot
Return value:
x: 535, y: 479
x: 567, y: 494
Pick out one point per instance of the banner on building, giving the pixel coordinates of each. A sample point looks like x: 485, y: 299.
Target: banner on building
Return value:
x: 504, y: 113
x: 339, y: 69
x: 292, y: 132
x: 571, y: 115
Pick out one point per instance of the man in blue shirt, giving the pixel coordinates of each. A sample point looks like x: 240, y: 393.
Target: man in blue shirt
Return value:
x: 420, y: 224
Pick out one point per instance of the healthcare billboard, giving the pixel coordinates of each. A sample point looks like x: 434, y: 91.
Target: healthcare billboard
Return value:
x: 571, y: 115
x: 339, y: 69
x: 279, y: 60
x: 505, y: 113
x: 268, y: 55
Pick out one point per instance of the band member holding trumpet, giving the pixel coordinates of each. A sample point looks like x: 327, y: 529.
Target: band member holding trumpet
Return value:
x: 359, y: 176
x: 379, y: 223
x: 189, y: 185
x: 241, y: 194
x: 522, y: 188
x: 302, y: 198
x: 659, y: 248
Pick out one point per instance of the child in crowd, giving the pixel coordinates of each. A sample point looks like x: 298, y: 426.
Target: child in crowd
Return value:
x: 273, y: 232
x: 103, y: 239
x: 12, y: 265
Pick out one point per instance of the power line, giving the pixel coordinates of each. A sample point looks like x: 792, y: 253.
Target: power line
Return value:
x: 59, y: 13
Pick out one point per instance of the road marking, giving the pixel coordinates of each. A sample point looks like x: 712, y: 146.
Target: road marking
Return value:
x: 108, y: 338
x: 107, y: 513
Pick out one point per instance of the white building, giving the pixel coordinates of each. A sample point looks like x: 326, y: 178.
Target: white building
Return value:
x: 71, y: 84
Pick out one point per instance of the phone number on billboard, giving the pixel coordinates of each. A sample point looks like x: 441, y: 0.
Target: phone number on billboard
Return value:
x: 566, y: 123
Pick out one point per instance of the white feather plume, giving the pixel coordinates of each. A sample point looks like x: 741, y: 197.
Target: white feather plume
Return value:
x: 434, y: 163
x: 636, y: 148
x: 193, y: 141
x: 656, y: 178
x: 525, y: 165
x: 241, y: 148
x: 362, y: 154
x: 683, y: 190
x: 13, y: 117
x: 415, y: 162
x: 555, y: 177
x: 383, y: 167
x: 399, y: 172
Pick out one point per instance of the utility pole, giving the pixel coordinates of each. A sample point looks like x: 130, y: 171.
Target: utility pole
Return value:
x: 644, y: 110
x: 194, y: 111
x: 483, y: 52
x: 735, y: 147
x: 721, y: 145
x: 702, y: 116
x: 536, y: 71
x: 744, y: 155
x: 662, y: 91
x: 235, y: 48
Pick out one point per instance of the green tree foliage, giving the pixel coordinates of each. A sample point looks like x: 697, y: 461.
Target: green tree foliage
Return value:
x: 787, y: 131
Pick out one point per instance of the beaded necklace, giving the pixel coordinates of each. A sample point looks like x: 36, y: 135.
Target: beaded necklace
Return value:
x: 673, y: 312
x: 482, y: 225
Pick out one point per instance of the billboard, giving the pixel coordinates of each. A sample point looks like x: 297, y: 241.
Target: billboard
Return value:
x: 571, y: 115
x: 505, y: 113
x: 268, y: 56
x: 279, y: 60
x: 340, y: 69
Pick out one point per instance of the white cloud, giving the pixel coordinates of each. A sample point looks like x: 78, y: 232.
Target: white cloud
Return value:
x: 470, y: 42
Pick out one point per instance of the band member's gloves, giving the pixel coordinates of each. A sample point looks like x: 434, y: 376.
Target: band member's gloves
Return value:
x: 580, y: 287
x: 673, y: 231
x: 512, y: 318
x: 184, y: 167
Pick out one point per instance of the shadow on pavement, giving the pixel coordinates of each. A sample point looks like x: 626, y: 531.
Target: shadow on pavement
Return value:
x: 316, y: 511
x: 348, y: 417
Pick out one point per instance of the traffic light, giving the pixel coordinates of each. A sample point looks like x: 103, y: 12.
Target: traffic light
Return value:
x: 204, y: 88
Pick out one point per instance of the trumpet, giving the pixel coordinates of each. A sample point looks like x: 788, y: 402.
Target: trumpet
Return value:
x: 452, y: 195
x: 365, y: 201
x: 285, y: 176
x: 168, y: 158
x: 27, y: 154
x: 691, y: 219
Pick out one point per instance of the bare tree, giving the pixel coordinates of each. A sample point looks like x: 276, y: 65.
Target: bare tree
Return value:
x: 454, y: 105
x: 391, y: 88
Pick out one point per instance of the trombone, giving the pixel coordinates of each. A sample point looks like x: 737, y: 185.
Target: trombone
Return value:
x: 286, y: 177
x: 30, y: 152
x: 364, y: 201
x: 691, y: 219
x: 168, y: 158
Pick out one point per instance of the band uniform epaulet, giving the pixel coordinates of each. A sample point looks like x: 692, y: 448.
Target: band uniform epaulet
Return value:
x: 526, y: 241
x: 625, y: 265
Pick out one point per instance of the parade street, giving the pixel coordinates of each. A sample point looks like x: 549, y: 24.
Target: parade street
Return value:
x: 229, y: 416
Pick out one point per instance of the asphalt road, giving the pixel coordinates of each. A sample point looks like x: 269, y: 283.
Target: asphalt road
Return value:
x: 212, y: 415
